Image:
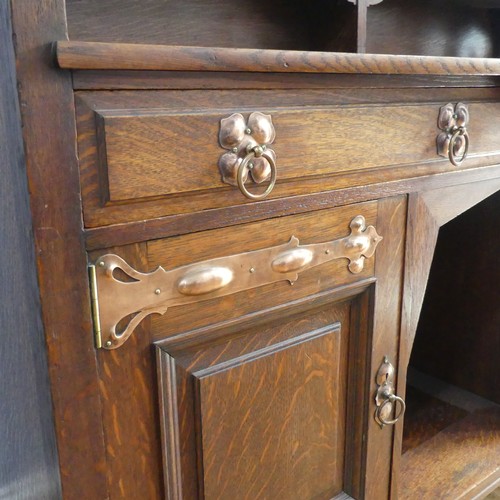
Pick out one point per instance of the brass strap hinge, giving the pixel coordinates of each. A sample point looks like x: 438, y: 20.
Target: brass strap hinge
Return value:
x: 94, y: 304
x: 116, y: 302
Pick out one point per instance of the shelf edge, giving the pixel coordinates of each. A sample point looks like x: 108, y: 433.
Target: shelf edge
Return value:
x: 125, y: 56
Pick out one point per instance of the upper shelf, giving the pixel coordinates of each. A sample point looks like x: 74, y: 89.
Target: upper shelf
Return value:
x: 124, y: 56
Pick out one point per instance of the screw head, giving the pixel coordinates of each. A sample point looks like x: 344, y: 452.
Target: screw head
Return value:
x: 250, y: 166
x: 157, y: 291
x: 248, y: 131
x: 235, y: 150
x: 327, y: 251
x: 252, y: 270
x: 109, y: 343
x: 101, y: 264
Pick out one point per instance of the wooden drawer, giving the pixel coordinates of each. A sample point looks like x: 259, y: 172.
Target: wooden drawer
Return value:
x: 151, y: 154
x: 282, y: 366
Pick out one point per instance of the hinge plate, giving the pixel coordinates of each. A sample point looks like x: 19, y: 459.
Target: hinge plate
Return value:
x: 115, y: 301
x: 94, y: 304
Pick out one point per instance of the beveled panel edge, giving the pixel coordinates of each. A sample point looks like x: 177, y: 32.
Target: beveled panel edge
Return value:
x: 227, y: 327
x: 124, y: 56
x: 334, y: 328
x: 169, y: 423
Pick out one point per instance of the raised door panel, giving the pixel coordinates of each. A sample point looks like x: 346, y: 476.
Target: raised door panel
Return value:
x: 262, y: 412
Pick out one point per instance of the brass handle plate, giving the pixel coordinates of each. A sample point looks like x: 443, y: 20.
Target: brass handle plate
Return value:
x: 453, y: 142
x: 249, y: 157
x: 113, y: 300
x: 385, y: 399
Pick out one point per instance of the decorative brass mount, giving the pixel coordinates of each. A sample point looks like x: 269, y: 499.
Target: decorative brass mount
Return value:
x: 113, y: 300
x: 249, y: 152
x: 453, y: 141
x: 385, y: 399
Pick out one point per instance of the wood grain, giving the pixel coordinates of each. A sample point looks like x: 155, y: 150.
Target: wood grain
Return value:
x: 456, y: 461
x: 427, y: 211
x: 156, y: 153
x: 423, y: 28
x: 28, y: 455
x: 143, y: 80
x: 121, y: 234
x: 47, y: 111
x: 464, y: 282
x: 281, y: 24
x: 318, y: 227
x: 124, y: 56
x: 426, y: 416
x: 130, y: 422
x: 389, y: 268
x: 296, y: 442
x: 268, y: 400
x: 142, y: 160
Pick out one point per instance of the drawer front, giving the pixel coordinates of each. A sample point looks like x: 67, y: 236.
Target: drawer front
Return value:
x: 147, y: 154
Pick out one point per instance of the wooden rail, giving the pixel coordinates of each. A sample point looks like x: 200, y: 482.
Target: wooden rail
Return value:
x: 124, y: 56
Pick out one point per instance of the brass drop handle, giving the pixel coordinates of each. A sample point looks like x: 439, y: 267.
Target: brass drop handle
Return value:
x: 453, y: 142
x: 245, y: 165
x: 386, y: 408
x: 458, y: 159
x: 385, y: 399
x: 249, y: 156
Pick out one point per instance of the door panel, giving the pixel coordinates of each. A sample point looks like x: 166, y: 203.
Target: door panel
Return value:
x: 261, y: 412
x: 329, y: 330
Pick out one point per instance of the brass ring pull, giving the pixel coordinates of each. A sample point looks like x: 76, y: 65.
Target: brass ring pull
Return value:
x: 452, y: 121
x: 391, y: 398
x: 256, y: 152
x: 456, y: 160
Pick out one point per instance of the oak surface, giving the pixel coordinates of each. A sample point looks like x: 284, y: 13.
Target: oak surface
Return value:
x: 28, y: 454
x: 112, y: 426
x: 125, y: 56
x: 131, y: 170
x: 47, y: 112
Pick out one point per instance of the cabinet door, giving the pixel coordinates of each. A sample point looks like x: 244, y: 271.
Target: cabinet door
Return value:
x: 268, y: 409
x: 267, y: 392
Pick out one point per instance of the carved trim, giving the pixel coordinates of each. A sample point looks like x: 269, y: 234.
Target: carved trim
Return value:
x: 155, y: 292
x: 171, y: 450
